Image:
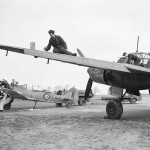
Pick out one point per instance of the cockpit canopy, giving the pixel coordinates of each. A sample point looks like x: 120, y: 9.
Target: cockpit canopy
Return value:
x: 145, y: 59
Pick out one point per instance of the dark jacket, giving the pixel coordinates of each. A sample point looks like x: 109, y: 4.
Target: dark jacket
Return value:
x: 132, y: 57
x: 5, y: 84
x: 56, y: 42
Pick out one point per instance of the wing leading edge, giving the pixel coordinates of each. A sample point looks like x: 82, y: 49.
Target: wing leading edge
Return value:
x: 14, y: 94
x: 81, y: 61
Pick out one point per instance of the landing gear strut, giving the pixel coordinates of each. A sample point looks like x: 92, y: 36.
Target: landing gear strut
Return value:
x: 6, y: 102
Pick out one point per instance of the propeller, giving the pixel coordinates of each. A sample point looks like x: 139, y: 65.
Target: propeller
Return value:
x: 88, y: 88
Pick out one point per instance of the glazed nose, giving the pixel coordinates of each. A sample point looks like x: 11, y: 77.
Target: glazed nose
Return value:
x: 90, y: 71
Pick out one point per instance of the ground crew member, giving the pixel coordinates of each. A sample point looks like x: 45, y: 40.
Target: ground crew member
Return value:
x: 132, y: 57
x: 58, y: 43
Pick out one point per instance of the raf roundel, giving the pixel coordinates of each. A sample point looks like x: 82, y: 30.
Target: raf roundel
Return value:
x: 47, y: 96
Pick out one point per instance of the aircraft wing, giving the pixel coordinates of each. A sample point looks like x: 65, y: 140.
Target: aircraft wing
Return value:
x: 81, y: 61
x: 14, y: 94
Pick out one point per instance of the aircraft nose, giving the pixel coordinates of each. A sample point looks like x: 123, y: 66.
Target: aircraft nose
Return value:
x: 89, y: 71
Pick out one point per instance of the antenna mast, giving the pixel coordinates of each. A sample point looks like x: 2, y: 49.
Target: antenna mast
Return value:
x: 137, y: 44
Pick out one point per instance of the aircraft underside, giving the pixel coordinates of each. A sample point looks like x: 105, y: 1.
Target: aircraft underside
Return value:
x: 120, y: 79
x: 131, y: 83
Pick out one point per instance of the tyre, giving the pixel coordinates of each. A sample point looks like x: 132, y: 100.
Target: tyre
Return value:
x: 7, y: 106
x: 82, y: 102
x: 69, y: 104
x: 114, y: 109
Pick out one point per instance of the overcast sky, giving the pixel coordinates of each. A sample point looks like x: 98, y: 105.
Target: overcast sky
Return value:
x: 102, y: 29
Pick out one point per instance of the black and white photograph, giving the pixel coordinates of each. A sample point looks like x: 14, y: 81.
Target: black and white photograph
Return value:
x: 75, y: 75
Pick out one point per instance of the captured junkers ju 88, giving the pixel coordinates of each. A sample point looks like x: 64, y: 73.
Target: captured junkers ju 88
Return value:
x: 132, y: 78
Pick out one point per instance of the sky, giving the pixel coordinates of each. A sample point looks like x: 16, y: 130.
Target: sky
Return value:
x: 101, y: 29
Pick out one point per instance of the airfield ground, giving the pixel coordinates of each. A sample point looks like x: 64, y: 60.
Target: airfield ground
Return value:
x: 76, y: 128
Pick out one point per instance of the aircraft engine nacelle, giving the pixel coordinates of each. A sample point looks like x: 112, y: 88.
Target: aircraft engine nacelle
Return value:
x: 120, y: 79
x: 97, y: 75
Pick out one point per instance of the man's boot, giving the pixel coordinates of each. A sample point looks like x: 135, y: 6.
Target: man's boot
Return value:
x: 74, y: 54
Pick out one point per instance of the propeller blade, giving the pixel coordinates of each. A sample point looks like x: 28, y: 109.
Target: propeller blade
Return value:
x: 88, y: 88
x: 80, y: 53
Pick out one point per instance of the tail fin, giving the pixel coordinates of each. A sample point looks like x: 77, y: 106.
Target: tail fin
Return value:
x: 80, y: 53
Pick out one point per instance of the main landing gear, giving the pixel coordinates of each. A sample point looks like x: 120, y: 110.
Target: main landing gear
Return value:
x: 5, y: 102
x: 114, y: 108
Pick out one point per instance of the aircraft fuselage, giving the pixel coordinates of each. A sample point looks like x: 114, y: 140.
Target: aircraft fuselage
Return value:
x: 120, y: 79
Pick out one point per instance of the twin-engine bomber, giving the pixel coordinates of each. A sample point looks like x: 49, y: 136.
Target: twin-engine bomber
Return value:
x: 131, y: 78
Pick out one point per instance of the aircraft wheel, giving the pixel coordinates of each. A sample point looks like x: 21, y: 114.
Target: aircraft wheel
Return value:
x: 69, y: 104
x: 58, y: 104
x: 114, y: 109
x: 7, y: 106
x: 133, y: 100
x: 82, y: 102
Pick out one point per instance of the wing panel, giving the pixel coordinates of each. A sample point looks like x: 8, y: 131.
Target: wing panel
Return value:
x: 14, y: 94
x: 13, y: 49
x: 82, y: 61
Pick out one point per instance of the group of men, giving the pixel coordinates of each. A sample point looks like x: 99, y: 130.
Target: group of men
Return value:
x: 5, y: 84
